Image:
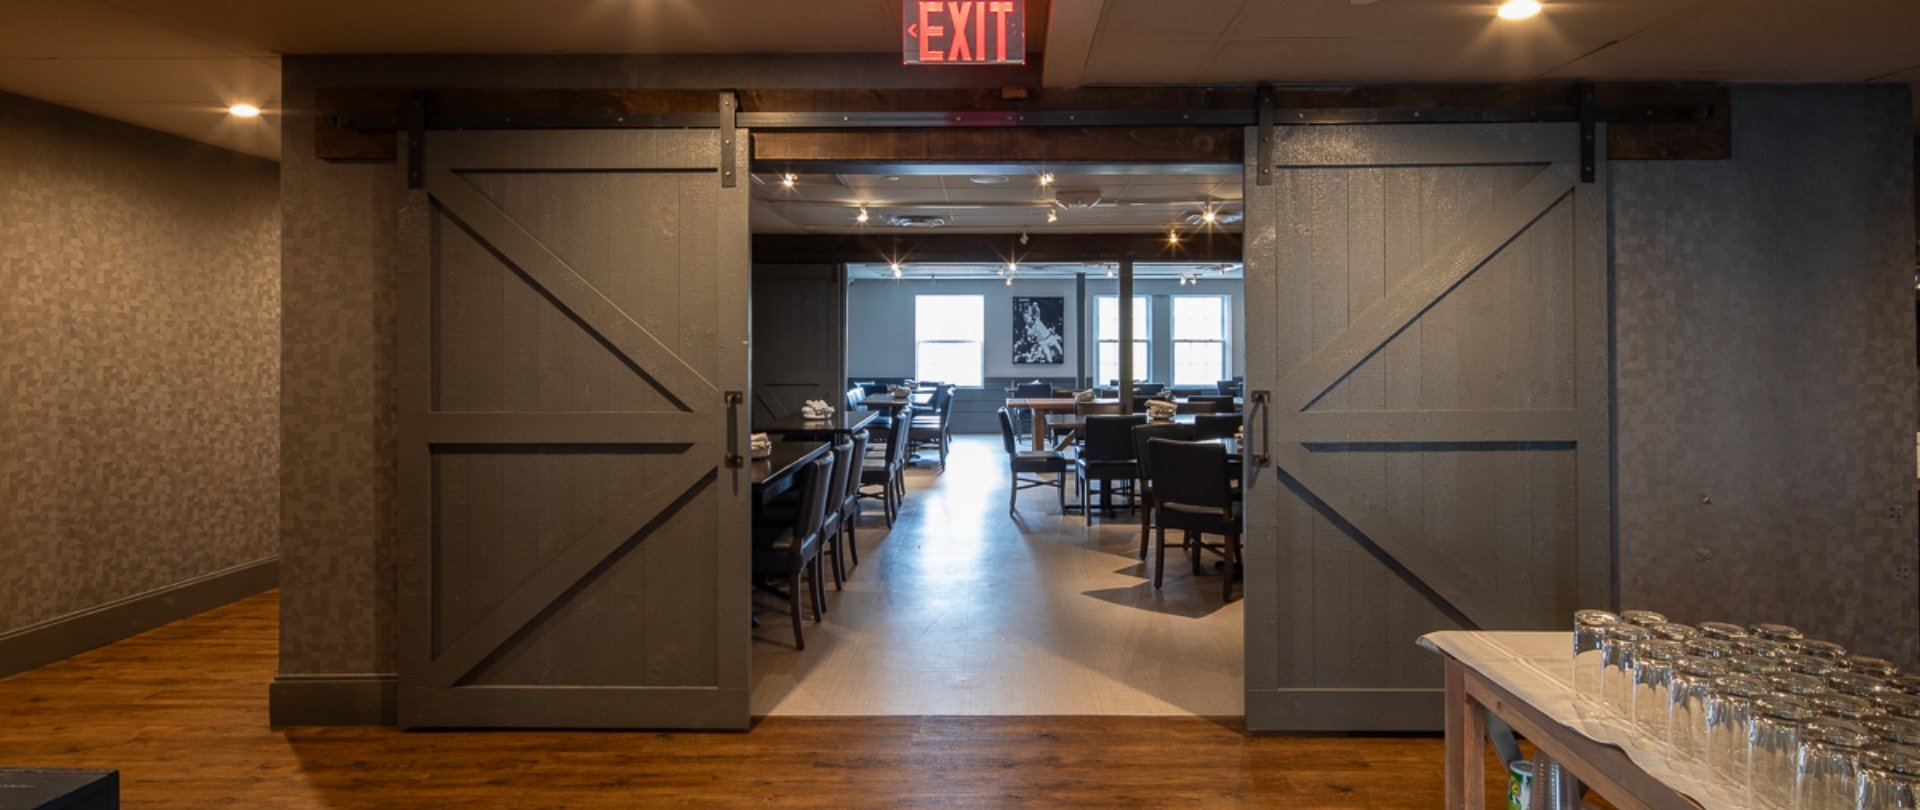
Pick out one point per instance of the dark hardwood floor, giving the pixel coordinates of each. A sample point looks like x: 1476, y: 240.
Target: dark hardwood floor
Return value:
x: 182, y: 713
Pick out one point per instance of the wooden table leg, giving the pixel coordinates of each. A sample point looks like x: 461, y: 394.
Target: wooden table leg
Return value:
x: 1466, y: 744
x: 1039, y: 429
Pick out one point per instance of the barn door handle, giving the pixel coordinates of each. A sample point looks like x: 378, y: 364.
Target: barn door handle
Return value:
x: 734, y: 399
x: 1262, y: 403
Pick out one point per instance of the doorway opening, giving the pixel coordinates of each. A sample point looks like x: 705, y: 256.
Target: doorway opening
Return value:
x: 988, y: 279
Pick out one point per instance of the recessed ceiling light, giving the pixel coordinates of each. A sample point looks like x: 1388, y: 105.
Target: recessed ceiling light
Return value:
x: 1046, y: 178
x: 861, y: 217
x: 987, y: 179
x: 244, y: 111
x: 1052, y: 215
x: 788, y: 179
x: 1519, y: 9
x: 1208, y: 216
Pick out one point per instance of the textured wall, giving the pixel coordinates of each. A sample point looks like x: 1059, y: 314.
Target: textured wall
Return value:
x: 1765, y: 362
x: 139, y: 350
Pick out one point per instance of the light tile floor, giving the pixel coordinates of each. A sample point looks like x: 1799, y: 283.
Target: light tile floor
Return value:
x: 962, y: 609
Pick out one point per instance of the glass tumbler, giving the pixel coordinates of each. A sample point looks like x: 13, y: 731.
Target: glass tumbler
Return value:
x: 1723, y: 631
x: 1760, y: 647
x: 1710, y: 648
x: 1652, y: 678
x: 1776, y: 632
x: 1687, y: 705
x: 1856, y: 684
x: 1793, y: 683
x: 1910, y: 684
x: 1729, y: 719
x: 1827, y: 775
x: 1844, y: 707
x: 1819, y: 649
x: 1668, y: 631
x: 1754, y: 665
x: 1898, y: 704
x: 1616, y: 667
x: 1869, y: 665
x: 1889, y: 778
x: 1894, y: 730
x: 1642, y: 617
x: 1810, y: 665
x: 1589, y: 627
x: 1773, y: 747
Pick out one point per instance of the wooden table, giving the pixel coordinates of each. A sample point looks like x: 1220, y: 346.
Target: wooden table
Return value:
x: 775, y: 473
x: 1041, y: 407
x: 896, y: 403
x: 841, y: 423
x: 78, y: 789
x: 1474, y: 691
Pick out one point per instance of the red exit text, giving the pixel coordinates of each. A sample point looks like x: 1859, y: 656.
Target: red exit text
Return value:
x: 964, y: 32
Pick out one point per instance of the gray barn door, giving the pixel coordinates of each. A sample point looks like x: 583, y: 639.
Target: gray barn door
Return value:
x: 800, y: 338
x: 573, y: 544
x: 1428, y: 306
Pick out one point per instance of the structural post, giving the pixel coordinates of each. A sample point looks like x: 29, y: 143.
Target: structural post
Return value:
x: 1126, y: 336
x: 1080, y: 372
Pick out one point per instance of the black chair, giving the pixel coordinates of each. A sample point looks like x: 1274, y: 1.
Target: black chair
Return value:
x: 833, y: 519
x: 856, y: 401
x: 1148, y: 389
x: 1141, y: 435
x: 935, y: 430
x: 1229, y: 388
x: 1193, y: 496
x: 1107, y: 457
x: 849, y: 505
x: 791, y: 551
x: 1034, y: 463
x: 1030, y: 390
x: 887, y: 474
x: 1216, y: 425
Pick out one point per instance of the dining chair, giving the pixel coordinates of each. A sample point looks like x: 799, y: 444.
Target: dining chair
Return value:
x: 1107, y: 457
x: 1141, y: 435
x: 832, y: 521
x: 1032, y: 463
x: 887, y: 474
x: 1229, y: 388
x: 1081, y: 410
x: 1193, y: 496
x: 1030, y: 390
x: 1216, y: 425
x: 1221, y: 404
x: 792, y: 551
x: 935, y: 429
x: 849, y: 502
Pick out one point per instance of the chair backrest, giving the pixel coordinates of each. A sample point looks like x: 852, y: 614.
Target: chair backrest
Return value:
x: 1085, y: 409
x: 1197, y: 406
x: 1110, y: 438
x: 843, y: 461
x: 1189, y: 475
x: 1228, y: 387
x: 1033, y: 390
x: 855, y: 396
x: 1148, y: 389
x: 1221, y: 404
x: 1156, y: 430
x: 897, y: 438
x: 1216, y: 425
x: 941, y: 393
x: 856, y: 456
x: 1006, y: 432
x: 869, y: 387
x: 946, y: 403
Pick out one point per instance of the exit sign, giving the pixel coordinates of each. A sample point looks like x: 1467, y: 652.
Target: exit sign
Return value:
x: 963, y: 32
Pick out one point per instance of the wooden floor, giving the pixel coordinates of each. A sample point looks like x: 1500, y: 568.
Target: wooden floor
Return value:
x: 182, y: 713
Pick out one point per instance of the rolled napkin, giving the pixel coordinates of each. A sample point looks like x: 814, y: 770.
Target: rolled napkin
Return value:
x: 900, y: 391
x: 1083, y: 396
x: 816, y: 409
x: 1160, y: 410
x: 762, y: 445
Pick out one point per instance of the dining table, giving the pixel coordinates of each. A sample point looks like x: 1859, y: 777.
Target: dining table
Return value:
x: 775, y: 473
x: 833, y: 426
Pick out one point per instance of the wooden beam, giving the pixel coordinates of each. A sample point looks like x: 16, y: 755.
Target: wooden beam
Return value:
x: 1181, y: 145
x: 1040, y: 247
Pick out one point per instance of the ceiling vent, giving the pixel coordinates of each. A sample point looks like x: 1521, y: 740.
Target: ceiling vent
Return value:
x: 1221, y: 217
x: 917, y: 221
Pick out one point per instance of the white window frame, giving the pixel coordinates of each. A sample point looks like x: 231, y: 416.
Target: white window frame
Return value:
x: 1104, y: 347
x: 1223, y: 341
x: 946, y: 308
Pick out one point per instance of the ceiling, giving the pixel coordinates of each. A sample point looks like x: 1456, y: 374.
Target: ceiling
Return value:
x: 1063, y: 270
x: 174, y: 65
x: 993, y: 203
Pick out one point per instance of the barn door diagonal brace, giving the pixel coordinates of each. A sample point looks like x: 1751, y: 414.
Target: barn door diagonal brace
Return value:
x: 1589, y: 147
x: 728, y: 107
x: 417, y: 141
x: 1264, y: 121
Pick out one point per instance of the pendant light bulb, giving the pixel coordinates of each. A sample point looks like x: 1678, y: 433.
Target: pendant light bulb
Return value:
x: 1052, y: 216
x: 1519, y: 9
x: 861, y: 217
x: 787, y: 180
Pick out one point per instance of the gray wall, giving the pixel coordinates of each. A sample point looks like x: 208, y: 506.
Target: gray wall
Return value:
x: 1765, y: 361
x: 139, y: 361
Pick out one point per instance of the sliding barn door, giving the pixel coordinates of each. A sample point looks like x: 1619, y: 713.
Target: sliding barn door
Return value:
x: 1428, y: 306
x: 573, y: 543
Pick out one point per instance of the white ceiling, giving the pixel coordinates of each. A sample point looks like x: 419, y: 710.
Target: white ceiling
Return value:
x: 174, y: 65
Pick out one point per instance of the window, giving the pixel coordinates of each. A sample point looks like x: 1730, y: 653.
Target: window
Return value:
x: 948, y: 331
x: 1199, y: 339
x: 1107, y: 339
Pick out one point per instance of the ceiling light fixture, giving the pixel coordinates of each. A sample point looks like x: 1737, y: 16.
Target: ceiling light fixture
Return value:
x: 1046, y: 178
x: 1109, y: 271
x: 1023, y: 237
x: 787, y: 179
x: 1208, y: 216
x: 1009, y: 281
x: 895, y: 267
x: 1519, y: 9
x: 1053, y: 216
x: 244, y: 111
x: 1173, y: 236
x: 861, y: 217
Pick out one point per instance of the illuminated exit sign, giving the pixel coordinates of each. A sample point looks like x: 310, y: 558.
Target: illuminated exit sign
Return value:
x: 964, y: 32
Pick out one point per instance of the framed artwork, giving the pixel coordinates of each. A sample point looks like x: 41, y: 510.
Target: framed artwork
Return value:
x: 1039, y: 331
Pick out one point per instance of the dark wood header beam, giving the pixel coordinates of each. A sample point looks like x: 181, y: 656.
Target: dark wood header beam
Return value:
x: 1192, y: 125
x: 983, y: 248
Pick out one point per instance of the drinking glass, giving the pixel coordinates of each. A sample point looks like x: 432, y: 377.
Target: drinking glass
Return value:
x: 1724, y: 631
x: 1642, y: 617
x: 1760, y: 647
x: 1616, y: 673
x: 1687, y: 705
x: 1776, y: 632
x: 1827, y: 775
x: 1898, y: 704
x: 1797, y: 685
x: 1889, y: 778
x: 1819, y: 649
x: 1810, y: 665
x: 1894, y: 730
x: 1844, y: 707
x: 1869, y: 665
x: 1773, y: 747
x: 1729, y: 719
x: 1754, y: 665
x: 1909, y: 684
x: 1856, y: 684
x: 1710, y: 648
x: 1589, y: 627
x: 1669, y: 631
x: 1652, y: 678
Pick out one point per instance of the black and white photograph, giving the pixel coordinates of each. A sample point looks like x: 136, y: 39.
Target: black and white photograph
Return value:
x: 1039, y: 326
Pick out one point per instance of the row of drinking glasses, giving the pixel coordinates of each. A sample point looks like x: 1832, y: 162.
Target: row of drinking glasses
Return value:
x: 1789, y: 723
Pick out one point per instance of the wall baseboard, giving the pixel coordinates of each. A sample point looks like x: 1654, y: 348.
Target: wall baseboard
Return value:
x: 333, y: 700
x: 75, y: 633
x: 1395, y: 710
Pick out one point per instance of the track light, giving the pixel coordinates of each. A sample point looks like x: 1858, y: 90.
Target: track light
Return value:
x: 787, y: 180
x: 1053, y: 216
x: 244, y: 111
x: 1046, y: 178
x: 895, y: 267
x: 861, y: 217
